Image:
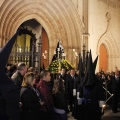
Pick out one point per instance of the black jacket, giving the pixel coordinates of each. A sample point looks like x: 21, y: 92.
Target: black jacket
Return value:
x: 9, y: 100
x: 60, y: 100
x: 17, y: 78
x: 30, y: 104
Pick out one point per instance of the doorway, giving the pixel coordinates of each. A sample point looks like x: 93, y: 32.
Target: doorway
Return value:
x: 31, y: 45
x: 103, y: 58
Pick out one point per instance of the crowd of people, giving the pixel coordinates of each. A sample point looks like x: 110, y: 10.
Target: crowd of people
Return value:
x: 27, y: 94
x: 44, y: 96
x: 111, y: 84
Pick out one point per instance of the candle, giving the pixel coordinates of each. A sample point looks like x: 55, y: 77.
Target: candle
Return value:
x: 55, y: 52
x: 45, y: 51
x: 73, y: 50
x: 79, y: 101
x: 74, y: 92
x: 78, y: 94
x: 58, y: 49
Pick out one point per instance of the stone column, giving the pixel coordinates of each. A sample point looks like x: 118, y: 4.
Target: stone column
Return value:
x: 85, y: 22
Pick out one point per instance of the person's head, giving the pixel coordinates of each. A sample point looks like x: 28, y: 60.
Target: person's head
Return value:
x: 29, y: 79
x: 62, y: 71
x: 58, y: 85
x: 31, y: 69
x: 13, y: 68
x: 103, y: 76
x: 45, y: 75
x: 38, y: 77
x: 22, y: 68
x: 117, y: 73
x: 72, y: 72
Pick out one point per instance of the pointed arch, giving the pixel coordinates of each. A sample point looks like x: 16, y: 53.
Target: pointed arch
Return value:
x: 60, y: 20
x: 111, y: 49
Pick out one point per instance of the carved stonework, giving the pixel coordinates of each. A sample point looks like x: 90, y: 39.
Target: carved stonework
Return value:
x: 112, y: 3
x: 108, y: 16
x: 75, y: 3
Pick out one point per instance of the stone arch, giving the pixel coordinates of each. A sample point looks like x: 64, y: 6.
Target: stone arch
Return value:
x: 111, y: 47
x: 59, y: 18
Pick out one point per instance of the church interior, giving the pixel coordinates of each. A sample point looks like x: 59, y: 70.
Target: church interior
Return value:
x: 79, y: 26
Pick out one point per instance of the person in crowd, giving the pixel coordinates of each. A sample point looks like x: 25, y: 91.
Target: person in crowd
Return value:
x: 112, y: 73
x: 30, y: 99
x: 103, y: 78
x: 37, y: 79
x: 31, y: 69
x: 46, y: 95
x: 59, y: 97
x: 78, y: 79
x: 115, y: 90
x: 98, y: 74
x: 108, y: 89
x: 17, y: 77
x: 90, y: 100
x: 12, y: 70
x: 70, y: 83
x: 9, y: 92
x: 63, y: 75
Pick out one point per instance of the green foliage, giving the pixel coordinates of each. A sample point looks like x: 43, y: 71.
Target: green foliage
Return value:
x: 56, y: 65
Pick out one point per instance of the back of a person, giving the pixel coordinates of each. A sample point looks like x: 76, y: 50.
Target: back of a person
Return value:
x: 46, y: 95
x: 30, y: 104
x: 17, y: 77
x: 30, y: 99
x: 9, y: 101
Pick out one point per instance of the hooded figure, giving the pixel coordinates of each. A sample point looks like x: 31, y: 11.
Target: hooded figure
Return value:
x: 90, y: 93
x: 9, y: 93
x: 89, y: 78
x: 95, y: 63
x: 77, y: 86
x: 81, y: 72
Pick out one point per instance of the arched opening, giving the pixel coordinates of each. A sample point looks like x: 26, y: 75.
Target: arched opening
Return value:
x: 103, y: 58
x: 31, y: 45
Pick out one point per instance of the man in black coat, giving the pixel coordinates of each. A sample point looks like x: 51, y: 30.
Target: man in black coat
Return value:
x: 17, y: 77
x: 70, y: 83
x: 9, y: 92
x: 115, y: 89
x: 62, y: 74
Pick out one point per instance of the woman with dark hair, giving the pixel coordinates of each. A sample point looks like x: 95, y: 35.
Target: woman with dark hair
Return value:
x: 60, y: 104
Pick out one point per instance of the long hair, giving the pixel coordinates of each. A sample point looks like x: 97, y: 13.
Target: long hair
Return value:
x: 28, y: 79
x: 58, y: 86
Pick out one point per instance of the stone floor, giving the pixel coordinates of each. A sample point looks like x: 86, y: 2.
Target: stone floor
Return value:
x: 70, y: 117
x: 108, y: 115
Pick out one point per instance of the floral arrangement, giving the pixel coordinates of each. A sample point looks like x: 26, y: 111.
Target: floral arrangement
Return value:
x: 56, y: 65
